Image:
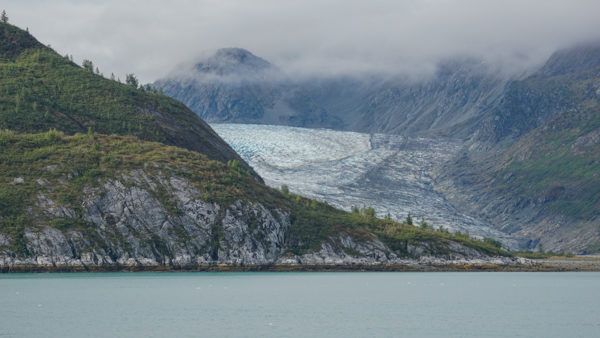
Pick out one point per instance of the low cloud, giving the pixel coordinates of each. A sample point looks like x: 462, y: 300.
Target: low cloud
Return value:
x: 309, y: 37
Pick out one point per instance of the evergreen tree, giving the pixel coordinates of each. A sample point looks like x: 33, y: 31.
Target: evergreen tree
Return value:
x: 409, y: 219
x: 88, y: 65
x: 423, y: 224
x: 369, y: 212
x: 131, y: 80
x: 4, y: 17
x: 112, y: 76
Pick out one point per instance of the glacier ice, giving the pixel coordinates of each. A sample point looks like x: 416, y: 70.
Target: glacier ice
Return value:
x: 391, y: 173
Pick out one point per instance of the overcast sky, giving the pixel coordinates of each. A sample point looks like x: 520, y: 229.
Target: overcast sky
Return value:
x: 150, y: 37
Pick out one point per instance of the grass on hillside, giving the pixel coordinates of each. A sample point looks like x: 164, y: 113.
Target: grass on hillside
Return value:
x: 556, y: 173
x: 41, y: 90
x: 63, y: 166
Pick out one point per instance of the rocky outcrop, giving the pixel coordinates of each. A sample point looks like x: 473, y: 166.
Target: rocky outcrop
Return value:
x: 137, y: 220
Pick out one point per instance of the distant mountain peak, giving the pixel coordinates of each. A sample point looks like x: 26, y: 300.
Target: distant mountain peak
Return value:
x: 233, y: 61
x: 582, y: 57
x: 240, y: 55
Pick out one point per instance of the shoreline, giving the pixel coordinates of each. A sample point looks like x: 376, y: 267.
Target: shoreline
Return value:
x: 556, y: 264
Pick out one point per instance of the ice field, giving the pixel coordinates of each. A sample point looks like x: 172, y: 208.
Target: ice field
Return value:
x: 390, y: 173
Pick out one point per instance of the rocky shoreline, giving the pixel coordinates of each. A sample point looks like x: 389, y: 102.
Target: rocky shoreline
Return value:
x: 425, y: 264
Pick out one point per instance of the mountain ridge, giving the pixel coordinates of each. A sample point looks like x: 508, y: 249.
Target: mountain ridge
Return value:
x: 98, y: 175
x: 499, y: 119
x: 43, y: 90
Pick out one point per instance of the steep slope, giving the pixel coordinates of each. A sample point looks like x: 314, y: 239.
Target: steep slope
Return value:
x: 564, y: 84
x: 530, y: 160
x: 448, y: 103
x: 40, y: 90
x: 542, y: 177
x: 108, y: 202
x: 130, y: 178
x: 234, y: 85
x: 237, y: 86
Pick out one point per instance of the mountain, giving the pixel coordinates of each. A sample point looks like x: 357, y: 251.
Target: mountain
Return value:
x: 41, y: 90
x: 234, y: 85
x: 98, y: 175
x: 530, y: 161
x: 541, y: 177
x: 99, y: 202
x: 249, y: 89
x: 447, y: 103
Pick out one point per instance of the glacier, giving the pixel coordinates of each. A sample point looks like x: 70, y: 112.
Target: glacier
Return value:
x: 391, y: 173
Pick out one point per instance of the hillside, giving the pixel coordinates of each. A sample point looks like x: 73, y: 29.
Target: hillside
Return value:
x: 90, y: 201
x: 40, y: 90
x: 542, y: 178
x: 99, y: 175
x: 234, y: 85
x: 529, y: 161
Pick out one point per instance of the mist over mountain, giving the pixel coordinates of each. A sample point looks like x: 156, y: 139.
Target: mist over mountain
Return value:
x: 234, y: 85
x: 312, y: 37
x: 499, y: 119
x: 96, y: 174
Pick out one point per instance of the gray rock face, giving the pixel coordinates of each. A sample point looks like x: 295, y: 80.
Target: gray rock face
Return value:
x: 137, y: 220
x: 233, y: 85
x: 485, y: 118
x: 541, y: 181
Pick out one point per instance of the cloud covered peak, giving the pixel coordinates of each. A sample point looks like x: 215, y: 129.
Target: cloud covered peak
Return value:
x: 232, y: 61
x: 311, y: 36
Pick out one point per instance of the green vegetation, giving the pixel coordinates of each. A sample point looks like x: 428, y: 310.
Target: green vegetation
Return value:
x: 561, y: 164
x: 542, y: 255
x: 41, y: 90
x: 65, y: 131
x: 316, y: 221
x: 62, y: 167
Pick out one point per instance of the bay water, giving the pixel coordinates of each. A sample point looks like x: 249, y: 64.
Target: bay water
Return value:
x: 303, y: 304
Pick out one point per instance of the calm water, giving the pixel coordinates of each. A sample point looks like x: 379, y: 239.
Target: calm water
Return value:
x: 300, y: 305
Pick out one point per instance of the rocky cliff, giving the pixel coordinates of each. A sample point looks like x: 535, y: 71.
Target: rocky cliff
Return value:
x: 529, y: 161
x: 108, y: 202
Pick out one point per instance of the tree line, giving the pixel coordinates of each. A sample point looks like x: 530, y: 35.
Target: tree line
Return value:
x: 130, y: 78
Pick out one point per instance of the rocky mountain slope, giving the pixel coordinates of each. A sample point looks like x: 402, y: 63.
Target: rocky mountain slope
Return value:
x: 529, y: 163
x: 104, y: 202
x: 235, y: 85
x: 542, y: 177
x: 447, y: 103
x: 127, y: 178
